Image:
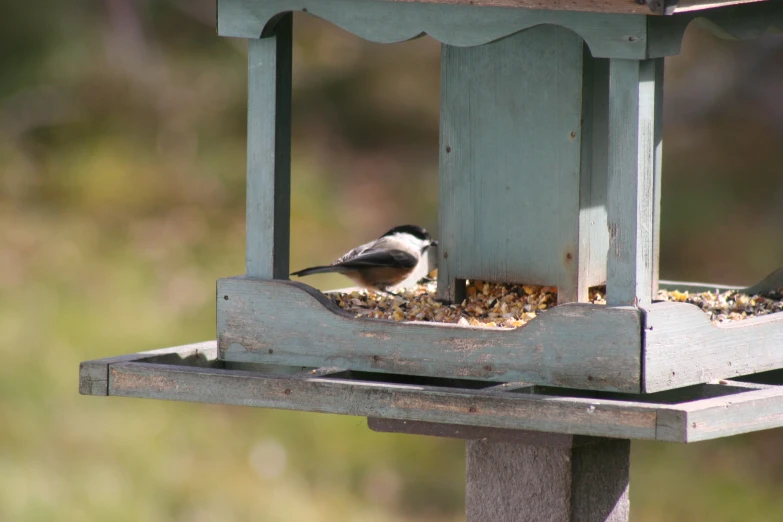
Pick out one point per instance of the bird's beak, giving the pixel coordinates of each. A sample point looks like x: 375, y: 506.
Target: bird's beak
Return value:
x: 434, y: 243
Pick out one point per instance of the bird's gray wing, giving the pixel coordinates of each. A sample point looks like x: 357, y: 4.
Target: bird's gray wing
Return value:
x: 381, y: 258
x: 355, y: 252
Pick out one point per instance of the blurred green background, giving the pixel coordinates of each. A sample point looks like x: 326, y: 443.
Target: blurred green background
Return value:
x: 122, y: 152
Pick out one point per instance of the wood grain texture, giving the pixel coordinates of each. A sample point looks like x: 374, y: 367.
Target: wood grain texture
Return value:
x: 725, y: 416
x: 385, y: 21
x: 593, y: 229
x: 735, y: 22
x: 458, y: 431
x: 450, y: 407
x: 631, y: 204
x: 283, y: 322
x: 593, y: 417
x: 94, y: 375
x: 509, y: 160
x: 269, y: 153
x: 683, y: 347
x: 517, y: 482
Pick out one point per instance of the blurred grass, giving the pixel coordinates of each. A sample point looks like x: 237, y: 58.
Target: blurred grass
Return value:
x: 121, y: 202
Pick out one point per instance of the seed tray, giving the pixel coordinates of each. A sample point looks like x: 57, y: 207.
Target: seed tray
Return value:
x: 662, y: 346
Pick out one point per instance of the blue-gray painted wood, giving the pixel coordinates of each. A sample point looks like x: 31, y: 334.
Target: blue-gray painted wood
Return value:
x: 509, y: 187
x: 657, y: 177
x: 269, y: 153
x: 631, y: 204
x: 754, y: 410
x: 388, y: 21
x: 191, y: 373
x: 94, y: 375
x: 283, y: 322
x: 593, y: 230
x: 683, y: 347
x: 577, y: 416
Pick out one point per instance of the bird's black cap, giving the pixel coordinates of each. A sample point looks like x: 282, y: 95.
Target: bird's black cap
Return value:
x: 414, y: 230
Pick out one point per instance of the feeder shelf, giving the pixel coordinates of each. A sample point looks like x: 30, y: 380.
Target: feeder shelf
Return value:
x: 193, y: 373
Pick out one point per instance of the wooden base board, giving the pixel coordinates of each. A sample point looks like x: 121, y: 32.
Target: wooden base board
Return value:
x: 193, y: 373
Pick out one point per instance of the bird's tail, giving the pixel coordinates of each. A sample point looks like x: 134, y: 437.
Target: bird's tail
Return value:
x: 318, y: 270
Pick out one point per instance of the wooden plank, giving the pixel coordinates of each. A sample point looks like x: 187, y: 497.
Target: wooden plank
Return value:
x: 517, y: 482
x: 283, y: 322
x: 683, y: 347
x: 593, y: 230
x: 630, y: 203
x: 421, y: 405
x: 269, y: 153
x: 458, y: 431
x: 725, y: 416
x: 511, y: 110
x: 388, y: 21
x: 656, y: 174
x: 94, y: 375
x: 576, y: 416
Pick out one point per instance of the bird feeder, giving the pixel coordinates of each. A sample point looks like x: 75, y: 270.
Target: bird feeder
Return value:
x: 550, y: 114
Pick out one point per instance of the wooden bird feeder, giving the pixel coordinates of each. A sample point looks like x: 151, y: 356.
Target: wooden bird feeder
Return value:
x: 550, y: 161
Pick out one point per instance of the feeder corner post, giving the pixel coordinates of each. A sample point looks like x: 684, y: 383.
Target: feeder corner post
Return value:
x: 269, y: 151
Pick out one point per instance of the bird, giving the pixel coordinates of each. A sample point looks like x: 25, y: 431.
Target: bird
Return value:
x: 382, y: 263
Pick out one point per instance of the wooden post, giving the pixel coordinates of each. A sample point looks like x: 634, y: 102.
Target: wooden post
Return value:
x: 634, y: 179
x: 548, y: 478
x: 269, y: 152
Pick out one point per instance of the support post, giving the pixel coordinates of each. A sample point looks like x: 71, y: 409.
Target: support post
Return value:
x: 548, y: 479
x: 269, y: 153
x: 633, y: 200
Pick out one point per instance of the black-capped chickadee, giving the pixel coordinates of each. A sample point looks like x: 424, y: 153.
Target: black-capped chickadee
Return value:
x: 382, y: 263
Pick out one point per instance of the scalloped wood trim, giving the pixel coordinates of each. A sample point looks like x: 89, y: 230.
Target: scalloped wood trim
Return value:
x: 284, y: 322
x: 683, y: 347
x: 389, y: 21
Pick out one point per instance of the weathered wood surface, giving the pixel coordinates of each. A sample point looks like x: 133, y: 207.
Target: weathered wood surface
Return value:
x: 510, y: 163
x: 593, y: 230
x: 377, y: 399
x: 269, y: 153
x: 191, y: 373
x: 458, y: 431
x: 517, y: 482
x: 634, y: 110
x: 283, y: 322
x: 94, y: 375
x: 753, y: 410
x: 385, y: 21
x: 607, y: 35
x: 683, y: 347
